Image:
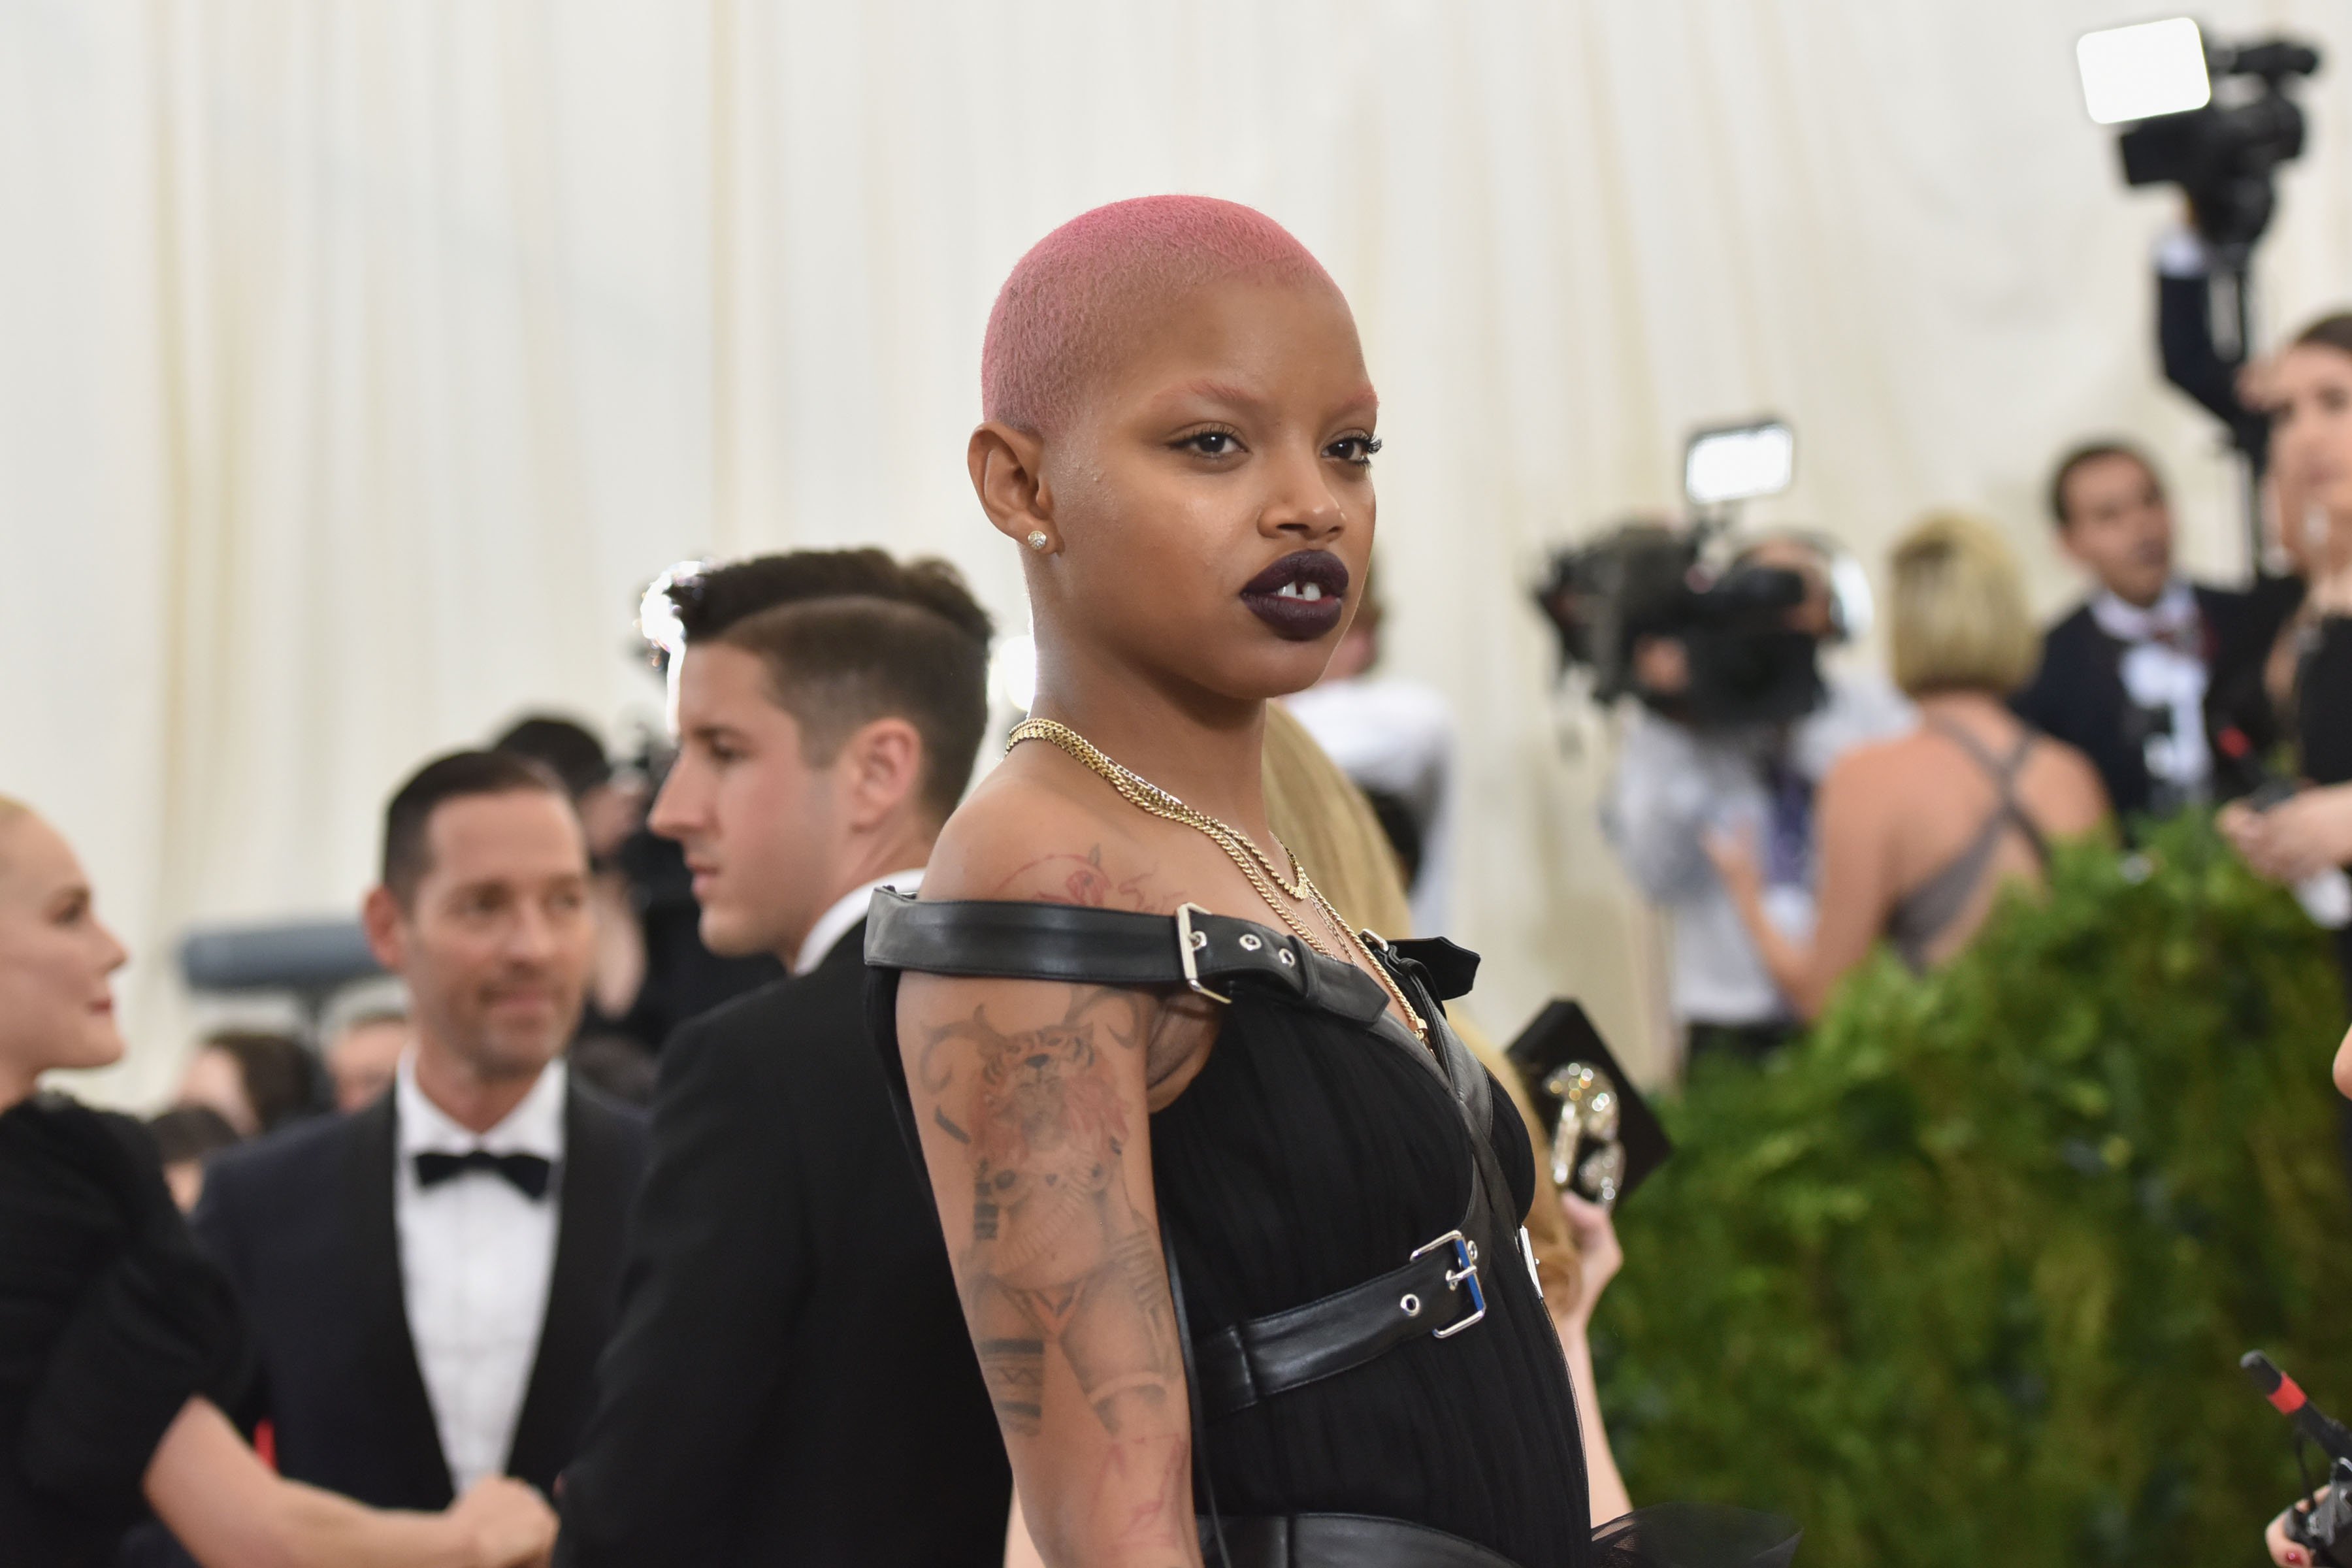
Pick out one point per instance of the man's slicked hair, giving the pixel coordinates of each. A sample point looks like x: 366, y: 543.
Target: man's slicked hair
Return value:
x: 848, y: 636
x: 408, y: 820
x: 712, y: 601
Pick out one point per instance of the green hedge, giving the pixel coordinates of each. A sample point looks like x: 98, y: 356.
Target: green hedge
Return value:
x: 1963, y: 1277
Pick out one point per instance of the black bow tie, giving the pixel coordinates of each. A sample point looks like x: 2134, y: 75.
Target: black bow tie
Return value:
x: 529, y: 1173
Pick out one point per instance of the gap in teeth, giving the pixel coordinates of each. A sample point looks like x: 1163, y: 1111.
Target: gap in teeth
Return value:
x: 1310, y: 591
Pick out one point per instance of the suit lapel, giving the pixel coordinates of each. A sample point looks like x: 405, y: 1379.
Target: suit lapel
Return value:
x: 594, y: 1195
x: 388, y: 1376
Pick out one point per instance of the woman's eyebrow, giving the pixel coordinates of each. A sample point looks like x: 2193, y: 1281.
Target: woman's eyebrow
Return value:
x: 1234, y: 394
x: 1217, y: 391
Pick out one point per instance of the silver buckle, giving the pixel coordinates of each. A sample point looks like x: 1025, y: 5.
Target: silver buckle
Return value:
x: 1465, y: 1257
x: 1189, y: 942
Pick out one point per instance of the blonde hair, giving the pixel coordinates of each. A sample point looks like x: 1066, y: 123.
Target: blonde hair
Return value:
x: 1956, y: 615
x: 1324, y: 819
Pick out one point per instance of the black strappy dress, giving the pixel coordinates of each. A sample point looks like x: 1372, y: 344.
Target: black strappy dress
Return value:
x: 1319, y: 1149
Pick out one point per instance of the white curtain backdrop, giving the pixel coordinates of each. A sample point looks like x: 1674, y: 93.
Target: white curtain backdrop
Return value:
x: 360, y: 360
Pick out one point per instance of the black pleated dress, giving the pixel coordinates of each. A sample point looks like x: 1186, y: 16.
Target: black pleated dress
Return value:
x: 1321, y: 1145
x: 1312, y: 1153
x: 109, y: 1321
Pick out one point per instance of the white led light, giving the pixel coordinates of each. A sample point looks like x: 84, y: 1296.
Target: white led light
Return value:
x: 2142, y: 71
x: 1739, y: 464
x: 1013, y: 672
x: 658, y: 620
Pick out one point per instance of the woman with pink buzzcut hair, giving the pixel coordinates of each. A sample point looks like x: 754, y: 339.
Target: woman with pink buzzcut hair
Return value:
x: 1235, y: 1216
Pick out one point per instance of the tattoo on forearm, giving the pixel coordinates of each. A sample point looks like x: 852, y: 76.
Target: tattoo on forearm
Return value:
x: 1061, y: 1262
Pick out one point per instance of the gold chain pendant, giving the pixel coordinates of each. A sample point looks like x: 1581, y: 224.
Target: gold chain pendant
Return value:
x: 1239, y: 847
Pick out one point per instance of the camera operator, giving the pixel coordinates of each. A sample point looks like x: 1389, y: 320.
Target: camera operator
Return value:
x: 1682, y: 775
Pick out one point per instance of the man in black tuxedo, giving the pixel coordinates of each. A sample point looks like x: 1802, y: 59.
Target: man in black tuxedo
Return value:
x: 430, y: 1278
x: 791, y: 1381
x: 2157, y: 679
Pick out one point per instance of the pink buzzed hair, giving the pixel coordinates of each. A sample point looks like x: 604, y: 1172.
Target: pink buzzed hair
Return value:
x: 1061, y: 315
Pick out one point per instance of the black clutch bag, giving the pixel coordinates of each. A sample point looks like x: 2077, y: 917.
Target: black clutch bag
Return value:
x: 1605, y: 1139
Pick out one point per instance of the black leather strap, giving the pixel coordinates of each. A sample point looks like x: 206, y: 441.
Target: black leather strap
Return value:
x: 1107, y: 947
x: 1256, y: 1360
x: 1349, y: 1541
x: 1249, y: 1361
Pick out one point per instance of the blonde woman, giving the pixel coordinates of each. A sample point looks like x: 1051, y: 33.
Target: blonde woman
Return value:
x: 117, y: 1338
x: 1918, y: 835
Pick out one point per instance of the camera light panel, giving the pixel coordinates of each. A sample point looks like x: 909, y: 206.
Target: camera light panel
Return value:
x: 2142, y: 71
x: 1739, y: 463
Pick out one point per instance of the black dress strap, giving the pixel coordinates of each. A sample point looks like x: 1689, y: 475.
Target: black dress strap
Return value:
x: 1018, y: 941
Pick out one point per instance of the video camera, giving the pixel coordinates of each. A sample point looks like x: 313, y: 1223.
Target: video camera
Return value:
x: 2213, y: 118
x: 1745, y: 662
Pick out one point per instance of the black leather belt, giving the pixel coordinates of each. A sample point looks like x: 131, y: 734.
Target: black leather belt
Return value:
x: 1341, y: 1541
x: 1119, y: 947
x: 1437, y: 1292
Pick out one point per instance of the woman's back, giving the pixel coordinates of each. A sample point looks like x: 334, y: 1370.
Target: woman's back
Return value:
x: 1951, y: 813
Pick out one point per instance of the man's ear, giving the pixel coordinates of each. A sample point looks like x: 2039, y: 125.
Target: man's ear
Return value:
x: 380, y: 917
x: 880, y: 768
x: 1006, y: 474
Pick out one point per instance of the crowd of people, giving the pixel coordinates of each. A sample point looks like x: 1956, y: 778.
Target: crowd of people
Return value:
x: 1784, y: 853
x: 805, y: 1155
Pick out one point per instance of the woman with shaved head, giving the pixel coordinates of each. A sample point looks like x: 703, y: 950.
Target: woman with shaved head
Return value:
x: 1235, y: 1218
x: 119, y: 1343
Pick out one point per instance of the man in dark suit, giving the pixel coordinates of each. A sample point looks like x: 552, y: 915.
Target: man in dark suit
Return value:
x: 791, y: 1381
x: 2157, y: 679
x: 430, y: 1278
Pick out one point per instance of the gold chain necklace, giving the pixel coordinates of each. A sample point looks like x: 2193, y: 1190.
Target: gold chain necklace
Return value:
x: 1254, y: 862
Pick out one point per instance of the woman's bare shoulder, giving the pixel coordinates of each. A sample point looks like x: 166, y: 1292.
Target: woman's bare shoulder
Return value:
x: 1033, y: 835
x: 2069, y: 795
x: 1864, y: 773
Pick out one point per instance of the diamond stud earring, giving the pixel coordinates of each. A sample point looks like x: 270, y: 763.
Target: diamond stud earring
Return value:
x: 1037, y: 539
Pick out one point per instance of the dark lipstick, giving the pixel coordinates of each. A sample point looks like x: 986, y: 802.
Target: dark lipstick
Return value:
x: 1301, y: 597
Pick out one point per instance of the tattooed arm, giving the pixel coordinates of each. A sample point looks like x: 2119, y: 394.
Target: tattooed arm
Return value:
x: 1032, y: 1100
x: 1035, y: 1131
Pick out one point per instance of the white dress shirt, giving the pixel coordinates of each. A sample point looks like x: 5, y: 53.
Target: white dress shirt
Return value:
x: 1397, y: 737
x: 475, y: 1258
x: 2164, y: 671
x: 846, y: 912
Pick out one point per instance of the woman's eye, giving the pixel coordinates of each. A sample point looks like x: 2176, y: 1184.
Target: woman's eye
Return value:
x: 1356, y: 449
x: 1212, y: 442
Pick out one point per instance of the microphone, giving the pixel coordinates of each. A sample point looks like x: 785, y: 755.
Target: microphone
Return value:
x: 2332, y: 1437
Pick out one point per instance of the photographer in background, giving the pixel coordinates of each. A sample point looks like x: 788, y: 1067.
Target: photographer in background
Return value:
x: 2146, y: 673
x: 1688, y: 766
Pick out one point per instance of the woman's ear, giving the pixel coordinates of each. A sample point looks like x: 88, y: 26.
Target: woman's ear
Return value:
x: 1005, y: 465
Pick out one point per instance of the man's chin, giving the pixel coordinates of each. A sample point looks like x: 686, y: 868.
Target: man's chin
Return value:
x: 733, y: 933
